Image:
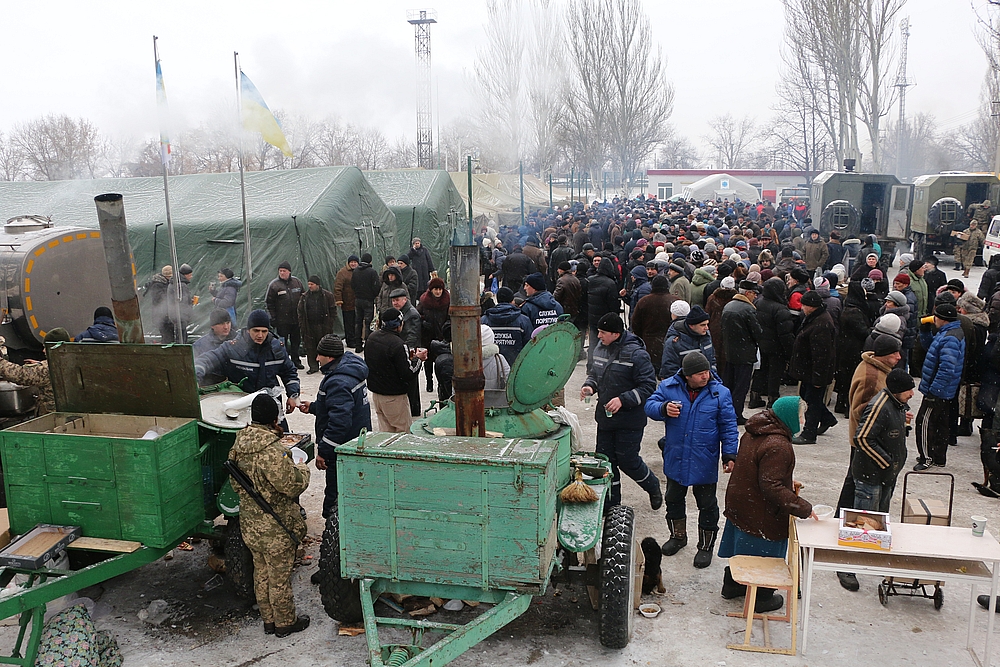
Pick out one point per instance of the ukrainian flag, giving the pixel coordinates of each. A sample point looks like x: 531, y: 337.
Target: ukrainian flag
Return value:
x: 258, y: 118
x: 161, y: 103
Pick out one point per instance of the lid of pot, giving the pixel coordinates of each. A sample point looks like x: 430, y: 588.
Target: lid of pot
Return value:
x: 543, y: 366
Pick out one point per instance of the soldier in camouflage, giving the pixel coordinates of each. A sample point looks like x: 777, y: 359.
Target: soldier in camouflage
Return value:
x: 35, y: 374
x: 259, y: 453
x: 966, y: 253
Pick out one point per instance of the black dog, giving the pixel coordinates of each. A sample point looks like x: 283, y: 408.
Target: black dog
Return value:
x: 652, y: 578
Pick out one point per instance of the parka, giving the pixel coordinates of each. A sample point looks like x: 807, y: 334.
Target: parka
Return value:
x: 775, y: 318
x: 341, y: 407
x: 814, y: 354
x: 942, y: 371
x: 622, y: 370
x: 740, y: 330
x: 679, y: 341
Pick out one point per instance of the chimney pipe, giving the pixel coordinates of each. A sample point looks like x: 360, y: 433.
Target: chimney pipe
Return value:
x: 121, y: 267
x: 466, y: 337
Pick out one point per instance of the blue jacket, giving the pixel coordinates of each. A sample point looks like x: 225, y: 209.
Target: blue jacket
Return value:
x: 511, y: 328
x: 692, y: 441
x: 542, y: 308
x: 640, y: 285
x: 261, y: 365
x: 942, y: 371
x: 622, y: 370
x: 103, y: 330
x: 341, y: 406
x: 678, y: 341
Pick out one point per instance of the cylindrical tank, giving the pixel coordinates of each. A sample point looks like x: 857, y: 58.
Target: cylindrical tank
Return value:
x: 52, y: 277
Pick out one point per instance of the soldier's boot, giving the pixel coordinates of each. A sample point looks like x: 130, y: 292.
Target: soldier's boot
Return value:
x: 300, y: 624
x: 269, y: 628
x: 678, y: 537
x: 706, y: 542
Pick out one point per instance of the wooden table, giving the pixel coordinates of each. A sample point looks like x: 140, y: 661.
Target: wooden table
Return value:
x: 943, y: 553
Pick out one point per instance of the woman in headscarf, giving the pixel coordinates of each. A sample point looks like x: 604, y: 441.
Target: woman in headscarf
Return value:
x: 433, y: 308
x: 391, y: 279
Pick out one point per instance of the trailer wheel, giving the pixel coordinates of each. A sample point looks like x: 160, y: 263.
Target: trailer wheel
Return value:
x: 617, y: 578
x: 239, y: 560
x: 341, y: 597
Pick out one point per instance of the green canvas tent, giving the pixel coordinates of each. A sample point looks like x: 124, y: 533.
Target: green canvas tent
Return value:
x: 421, y: 200
x: 314, y: 218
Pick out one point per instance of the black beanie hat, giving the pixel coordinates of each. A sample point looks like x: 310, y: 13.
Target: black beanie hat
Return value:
x: 946, y: 311
x: 264, y: 410
x: 611, y: 323
x: 694, y: 362
x: 314, y: 279
x: 330, y: 345
x: 228, y: 273
x: 886, y: 345
x: 258, y: 318
x: 103, y: 311
x: 915, y: 265
x: 812, y: 299
x: 505, y: 295
x: 285, y: 265
x: 898, y: 381
x: 696, y: 315
x: 366, y: 258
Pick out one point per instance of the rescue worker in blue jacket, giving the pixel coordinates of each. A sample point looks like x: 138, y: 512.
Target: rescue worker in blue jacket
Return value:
x: 540, y: 306
x: 697, y: 410
x: 940, y: 379
x: 256, y: 357
x: 623, y: 377
x: 341, y: 408
x: 511, y: 327
x: 685, y: 335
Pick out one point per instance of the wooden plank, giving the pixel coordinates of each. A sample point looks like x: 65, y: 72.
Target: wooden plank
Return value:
x: 112, y: 546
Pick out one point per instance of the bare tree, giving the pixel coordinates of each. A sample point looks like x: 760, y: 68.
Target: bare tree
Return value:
x: 925, y: 151
x: 12, y: 163
x: 676, y: 152
x: 499, y: 75
x: 795, y: 138
x: 731, y: 139
x: 546, y: 83
x: 877, y: 91
x: 58, y: 148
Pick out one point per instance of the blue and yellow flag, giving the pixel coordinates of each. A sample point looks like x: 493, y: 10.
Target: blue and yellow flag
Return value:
x: 258, y: 118
x: 161, y: 104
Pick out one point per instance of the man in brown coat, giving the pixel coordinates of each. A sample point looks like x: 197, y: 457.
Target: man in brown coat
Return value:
x: 343, y: 294
x: 651, y: 318
x: 536, y: 255
x: 568, y: 290
x: 714, y: 307
x: 868, y: 380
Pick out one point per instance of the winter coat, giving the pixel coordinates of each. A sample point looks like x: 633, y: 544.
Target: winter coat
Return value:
x: 317, y: 310
x: 568, y: 293
x: 103, y: 330
x: 422, y: 264
x: 224, y: 296
x: 681, y: 288
x: 640, y: 286
x: 716, y: 304
x: 988, y: 283
x: 760, y: 494
x: 935, y: 280
x: 343, y: 289
x: 693, y: 439
x: 919, y: 287
x: 411, y: 281
x: 740, y: 330
x: 622, y: 370
x: 678, y: 342
x: 495, y: 368
x: 390, y: 368
x: 154, y: 297
x: 412, y: 326
x: 34, y: 374
x: 536, y: 255
x: 835, y: 255
x: 651, y: 321
x: 259, y: 453
x: 834, y: 305
x: 855, y: 325
x: 206, y: 344
x: 602, y: 292
x: 262, y: 365
x: 282, y: 302
x: 814, y: 356
x: 366, y: 283
x: 776, y: 321
x: 701, y: 278
x: 392, y: 279
x: 542, y: 309
x: 942, y: 371
x: 516, y: 267
x: 434, y: 313
x: 868, y: 380
x: 880, y: 440
x: 341, y: 406
x: 816, y: 253
x: 912, y: 319
x: 511, y: 329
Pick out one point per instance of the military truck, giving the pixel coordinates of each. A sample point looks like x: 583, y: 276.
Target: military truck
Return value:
x: 940, y: 206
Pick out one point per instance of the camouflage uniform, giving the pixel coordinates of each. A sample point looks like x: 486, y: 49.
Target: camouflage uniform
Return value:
x: 31, y: 375
x: 966, y: 254
x: 268, y: 464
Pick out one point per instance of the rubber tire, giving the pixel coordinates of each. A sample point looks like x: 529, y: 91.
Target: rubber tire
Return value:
x: 883, y: 594
x: 616, y: 613
x: 239, y: 561
x: 341, y: 597
x: 938, y: 597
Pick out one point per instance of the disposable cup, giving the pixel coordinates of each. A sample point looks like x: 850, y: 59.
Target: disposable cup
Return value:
x: 978, y: 525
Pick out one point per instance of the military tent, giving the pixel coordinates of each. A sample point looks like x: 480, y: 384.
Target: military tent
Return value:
x: 421, y: 200
x: 313, y: 218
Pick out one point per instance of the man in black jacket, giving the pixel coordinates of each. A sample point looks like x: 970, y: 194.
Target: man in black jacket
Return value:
x: 623, y: 377
x: 366, y: 284
x: 420, y: 261
x: 813, y: 362
x: 880, y: 443
x: 282, y: 301
x: 515, y: 268
x: 778, y: 335
x: 602, y: 298
x: 392, y: 368
x: 741, y: 333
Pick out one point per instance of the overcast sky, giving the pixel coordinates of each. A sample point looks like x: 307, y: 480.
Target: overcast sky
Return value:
x: 355, y: 60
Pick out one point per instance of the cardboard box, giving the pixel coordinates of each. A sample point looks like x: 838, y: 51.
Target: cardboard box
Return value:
x: 928, y: 511
x: 879, y: 539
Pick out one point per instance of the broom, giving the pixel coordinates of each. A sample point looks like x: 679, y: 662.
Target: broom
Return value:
x: 578, y: 491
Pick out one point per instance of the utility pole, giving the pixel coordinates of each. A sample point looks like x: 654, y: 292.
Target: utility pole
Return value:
x: 421, y: 20
x: 902, y: 83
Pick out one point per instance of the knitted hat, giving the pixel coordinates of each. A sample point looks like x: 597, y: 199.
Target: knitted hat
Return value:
x: 886, y: 345
x: 354, y: 258
x: 902, y: 279
x: 696, y: 315
x: 314, y: 279
x: 956, y: 285
x: 611, y: 323
x: 185, y: 269
x: 819, y: 282
x: 694, y: 362
x: 228, y: 273
x: 876, y: 275
x: 660, y: 284
x: 366, y: 258
x: 915, y: 265
x: 728, y: 282
x: 263, y: 410
x: 867, y: 284
x: 898, y: 381
x: 103, y: 311
x: 786, y: 409
x: 905, y: 258
x: 403, y: 259
x: 565, y: 266
x: 674, y: 266
x: 505, y: 295
x: 59, y: 335
x: 812, y: 299
x: 536, y: 280
x: 946, y: 312
x: 888, y: 324
x: 330, y: 345
x: 897, y: 298
x: 219, y: 316
x: 390, y: 318
x: 284, y: 265
x: 680, y: 308
x: 258, y: 318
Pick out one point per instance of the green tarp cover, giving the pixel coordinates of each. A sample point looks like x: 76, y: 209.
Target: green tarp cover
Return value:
x: 498, y: 196
x: 421, y: 200
x: 335, y: 210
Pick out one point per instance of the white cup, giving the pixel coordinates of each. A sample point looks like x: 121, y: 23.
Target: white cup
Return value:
x: 978, y: 525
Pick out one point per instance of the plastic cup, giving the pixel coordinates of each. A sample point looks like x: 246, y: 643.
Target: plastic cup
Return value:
x: 978, y: 525
x: 586, y: 399
x: 608, y: 413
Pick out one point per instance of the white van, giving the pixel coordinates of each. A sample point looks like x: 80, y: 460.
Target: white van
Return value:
x: 992, y: 245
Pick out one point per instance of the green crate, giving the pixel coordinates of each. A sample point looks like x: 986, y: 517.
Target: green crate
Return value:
x: 95, y: 471
x: 465, y: 511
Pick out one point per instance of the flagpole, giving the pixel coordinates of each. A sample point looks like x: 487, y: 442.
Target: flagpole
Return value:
x: 247, y: 257
x: 180, y: 334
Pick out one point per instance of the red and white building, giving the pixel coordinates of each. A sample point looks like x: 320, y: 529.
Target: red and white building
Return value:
x: 665, y: 183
